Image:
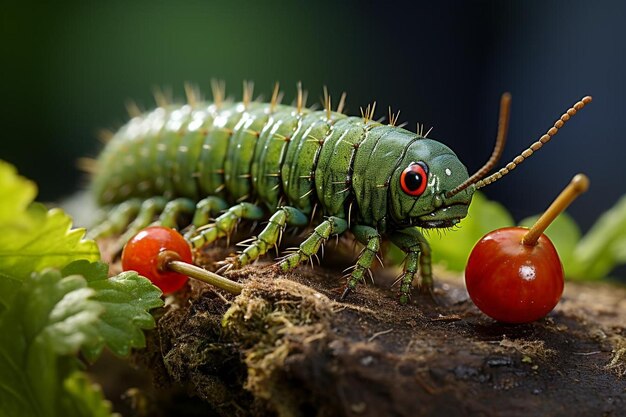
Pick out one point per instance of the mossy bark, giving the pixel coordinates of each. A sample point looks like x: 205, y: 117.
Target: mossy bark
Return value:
x: 286, y: 346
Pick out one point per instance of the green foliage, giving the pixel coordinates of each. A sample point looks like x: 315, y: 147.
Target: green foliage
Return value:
x: 83, y: 398
x: 126, y: 299
x: 55, y: 302
x: 32, y: 238
x: 16, y: 193
x: 588, y: 257
x: 51, y: 317
x: 604, y: 245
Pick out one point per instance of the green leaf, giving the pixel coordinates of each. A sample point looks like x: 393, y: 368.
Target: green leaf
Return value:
x: 127, y: 299
x: 564, y: 234
x: 452, y: 248
x: 16, y: 193
x: 53, y: 316
x: 619, y: 249
x: 32, y: 238
x: 604, y: 245
x: 47, y: 316
x: 83, y: 398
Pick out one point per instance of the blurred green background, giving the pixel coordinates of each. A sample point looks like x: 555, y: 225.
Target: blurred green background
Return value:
x: 69, y: 67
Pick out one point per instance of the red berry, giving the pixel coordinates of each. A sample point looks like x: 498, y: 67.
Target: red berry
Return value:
x: 511, y: 281
x: 141, y: 254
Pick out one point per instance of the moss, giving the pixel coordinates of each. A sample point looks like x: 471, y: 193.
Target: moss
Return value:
x: 271, y: 320
x: 618, y: 360
x: 532, y: 349
x: 284, y: 348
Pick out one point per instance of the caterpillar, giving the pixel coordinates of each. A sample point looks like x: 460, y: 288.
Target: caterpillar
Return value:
x: 291, y: 165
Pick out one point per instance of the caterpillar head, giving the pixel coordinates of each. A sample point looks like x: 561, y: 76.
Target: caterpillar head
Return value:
x: 438, y: 182
x: 431, y: 188
x: 419, y: 185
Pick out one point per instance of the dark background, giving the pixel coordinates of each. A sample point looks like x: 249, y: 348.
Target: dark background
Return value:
x: 68, y: 68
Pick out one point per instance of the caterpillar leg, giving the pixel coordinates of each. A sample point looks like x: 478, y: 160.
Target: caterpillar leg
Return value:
x: 329, y: 227
x: 269, y: 237
x: 205, y: 208
x: 371, y: 239
x: 412, y: 242
x: 117, y: 220
x: 174, y: 210
x: 149, y: 209
x: 225, y: 224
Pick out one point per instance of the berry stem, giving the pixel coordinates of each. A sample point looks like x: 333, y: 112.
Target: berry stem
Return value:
x: 170, y: 260
x: 578, y: 185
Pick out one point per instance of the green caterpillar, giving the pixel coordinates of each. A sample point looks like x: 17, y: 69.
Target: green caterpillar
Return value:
x: 287, y: 165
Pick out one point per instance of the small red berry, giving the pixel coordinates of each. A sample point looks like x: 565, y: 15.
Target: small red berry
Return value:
x: 513, y: 282
x: 514, y: 274
x: 141, y: 254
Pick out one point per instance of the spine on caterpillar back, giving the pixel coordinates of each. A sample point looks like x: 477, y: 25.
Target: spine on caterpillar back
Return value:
x: 258, y: 152
x: 234, y: 151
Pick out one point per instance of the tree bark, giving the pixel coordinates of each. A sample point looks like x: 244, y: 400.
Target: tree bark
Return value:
x: 286, y: 346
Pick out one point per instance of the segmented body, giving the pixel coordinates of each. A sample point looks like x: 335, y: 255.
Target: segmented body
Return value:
x: 345, y: 169
x: 252, y: 153
x: 258, y: 161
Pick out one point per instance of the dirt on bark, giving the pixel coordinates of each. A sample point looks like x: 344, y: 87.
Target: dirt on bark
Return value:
x: 287, y: 346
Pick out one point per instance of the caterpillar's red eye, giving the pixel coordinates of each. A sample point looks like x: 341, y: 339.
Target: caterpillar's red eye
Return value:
x: 414, y: 178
